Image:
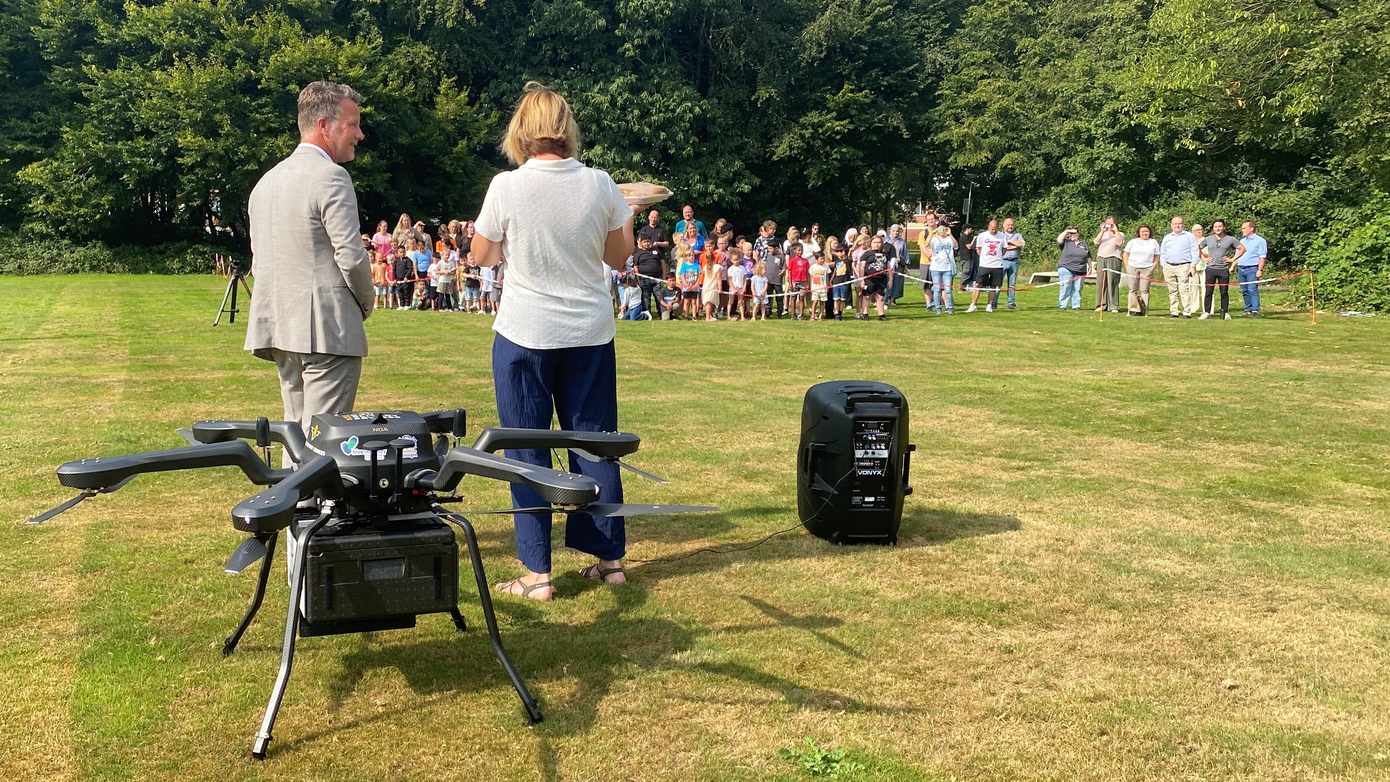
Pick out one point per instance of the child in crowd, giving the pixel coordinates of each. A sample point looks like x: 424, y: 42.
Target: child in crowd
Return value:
x: 630, y: 300
x: 737, y: 281
x: 470, y: 285
x: 668, y: 296
x: 758, y: 285
x: 840, y: 275
x: 404, y: 269
x: 615, y: 285
x: 820, y: 283
x: 499, y: 280
x: 434, y: 282
x: 422, y: 298
x: 712, y: 274
x: 775, y: 262
x: 688, y: 272
x: 447, y: 278
x: 422, y: 259
x: 798, y: 278
x: 489, y: 275
x: 876, y: 272
x: 379, y: 267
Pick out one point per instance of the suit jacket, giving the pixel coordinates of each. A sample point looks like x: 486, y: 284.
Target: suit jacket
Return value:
x: 313, y: 277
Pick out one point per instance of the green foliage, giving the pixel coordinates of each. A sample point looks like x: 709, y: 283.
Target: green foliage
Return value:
x: 141, y: 122
x: 819, y: 761
x: 1351, y: 260
x: 182, y: 105
x: 34, y: 250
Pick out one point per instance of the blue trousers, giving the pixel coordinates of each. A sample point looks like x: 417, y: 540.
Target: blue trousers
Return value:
x: 941, y: 291
x: 1011, y: 279
x: 1249, y: 291
x: 1069, y: 290
x: 580, y: 387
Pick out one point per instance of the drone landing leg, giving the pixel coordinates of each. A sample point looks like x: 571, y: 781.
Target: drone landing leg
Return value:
x: 533, y: 712
x: 229, y: 645
x: 277, y: 693
x: 458, y: 619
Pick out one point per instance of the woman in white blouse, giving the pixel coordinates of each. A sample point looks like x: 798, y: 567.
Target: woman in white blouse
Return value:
x: 559, y: 225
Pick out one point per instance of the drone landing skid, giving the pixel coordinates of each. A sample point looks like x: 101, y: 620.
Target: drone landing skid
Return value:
x: 295, y: 624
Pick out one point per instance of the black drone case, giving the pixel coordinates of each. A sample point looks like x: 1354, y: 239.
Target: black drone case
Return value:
x: 853, y: 460
x: 379, y: 579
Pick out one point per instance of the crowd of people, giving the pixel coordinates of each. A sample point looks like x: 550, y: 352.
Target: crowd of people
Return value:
x: 412, y: 270
x: 699, y: 272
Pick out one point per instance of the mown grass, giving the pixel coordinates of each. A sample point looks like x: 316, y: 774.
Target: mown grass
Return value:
x: 1138, y: 549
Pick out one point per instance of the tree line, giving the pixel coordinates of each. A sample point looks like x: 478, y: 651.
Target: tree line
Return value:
x: 130, y: 122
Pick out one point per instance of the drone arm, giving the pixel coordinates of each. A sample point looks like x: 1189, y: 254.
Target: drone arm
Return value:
x: 273, y: 509
x: 558, y: 488
x: 286, y: 433
x: 107, y: 472
x: 609, y: 445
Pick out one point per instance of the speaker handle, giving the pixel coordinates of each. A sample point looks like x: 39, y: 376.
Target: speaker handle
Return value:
x: 854, y: 397
x: 814, y: 482
x: 907, y: 467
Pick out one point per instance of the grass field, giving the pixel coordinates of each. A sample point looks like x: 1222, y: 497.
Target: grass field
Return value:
x: 1138, y: 549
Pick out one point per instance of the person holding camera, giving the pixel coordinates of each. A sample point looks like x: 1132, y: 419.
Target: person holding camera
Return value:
x: 560, y: 226
x: 1110, y: 266
x: 313, y: 275
x: 1072, y: 260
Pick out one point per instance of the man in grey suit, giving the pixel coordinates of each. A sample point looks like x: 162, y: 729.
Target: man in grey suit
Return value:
x: 313, y: 277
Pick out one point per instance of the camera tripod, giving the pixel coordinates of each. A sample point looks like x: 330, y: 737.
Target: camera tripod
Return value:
x: 229, y: 305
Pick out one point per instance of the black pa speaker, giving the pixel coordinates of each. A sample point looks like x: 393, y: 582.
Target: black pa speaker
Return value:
x: 852, y: 462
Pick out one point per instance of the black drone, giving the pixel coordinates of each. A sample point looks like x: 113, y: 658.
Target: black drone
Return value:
x: 369, y: 546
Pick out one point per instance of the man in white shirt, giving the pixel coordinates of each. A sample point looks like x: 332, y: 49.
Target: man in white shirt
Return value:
x: 989, y: 249
x: 1178, y: 253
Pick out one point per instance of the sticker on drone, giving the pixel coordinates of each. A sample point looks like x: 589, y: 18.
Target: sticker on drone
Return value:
x: 349, y: 448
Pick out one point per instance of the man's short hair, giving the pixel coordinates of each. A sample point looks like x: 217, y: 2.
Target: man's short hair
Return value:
x: 323, y: 100
x: 770, y: 225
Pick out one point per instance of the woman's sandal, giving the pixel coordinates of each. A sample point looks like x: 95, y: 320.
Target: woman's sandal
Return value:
x: 510, y: 588
x: 597, y: 572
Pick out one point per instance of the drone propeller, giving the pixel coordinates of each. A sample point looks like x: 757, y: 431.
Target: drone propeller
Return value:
x: 247, y: 554
x: 605, y: 509
x: 591, y: 457
x: 67, y: 505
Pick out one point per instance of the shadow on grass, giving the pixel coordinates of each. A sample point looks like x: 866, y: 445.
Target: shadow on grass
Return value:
x: 934, y: 527
x: 596, y: 654
x: 620, y: 641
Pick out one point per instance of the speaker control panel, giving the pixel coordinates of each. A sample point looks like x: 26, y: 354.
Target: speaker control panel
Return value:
x: 870, y: 486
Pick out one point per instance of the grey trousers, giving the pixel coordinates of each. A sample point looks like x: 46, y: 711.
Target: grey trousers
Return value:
x: 1109, y: 269
x: 313, y: 383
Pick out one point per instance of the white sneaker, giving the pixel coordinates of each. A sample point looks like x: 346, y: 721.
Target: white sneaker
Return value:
x: 971, y: 308
x: 1227, y: 317
x: 989, y: 308
x: 1204, y: 316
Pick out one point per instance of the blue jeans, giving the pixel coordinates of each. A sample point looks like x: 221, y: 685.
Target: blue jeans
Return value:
x: 1249, y: 294
x: 1070, y: 289
x: 897, y: 290
x: 941, y: 291
x: 580, y: 386
x: 634, y: 313
x: 1011, y: 279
